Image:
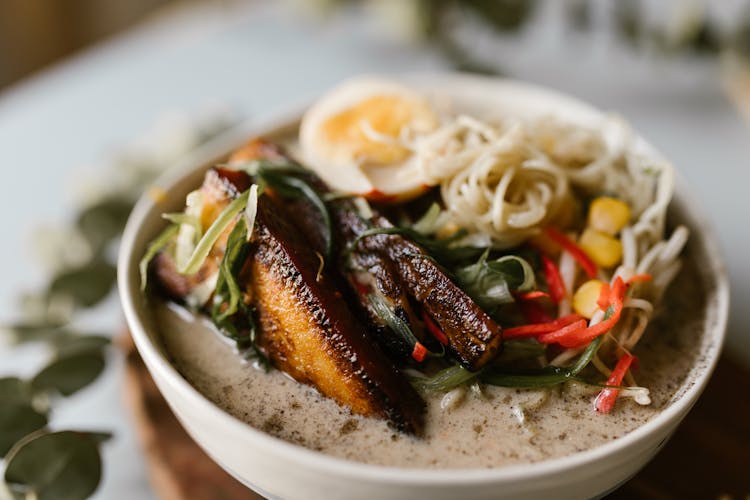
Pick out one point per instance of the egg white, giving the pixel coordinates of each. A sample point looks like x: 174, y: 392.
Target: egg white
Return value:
x: 396, y: 181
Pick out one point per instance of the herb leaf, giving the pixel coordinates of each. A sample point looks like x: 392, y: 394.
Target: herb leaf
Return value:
x: 153, y: 249
x: 490, y: 283
x: 213, y: 233
x: 17, y: 419
x: 544, y: 377
x: 281, y: 177
x: 233, y: 259
x: 55, y: 466
x: 14, y: 389
x: 389, y: 317
x: 87, y: 285
x: 102, y: 222
x: 444, y: 380
x: 70, y: 373
x: 427, y: 223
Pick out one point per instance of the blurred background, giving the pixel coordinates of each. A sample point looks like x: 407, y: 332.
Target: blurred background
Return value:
x: 93, y: 90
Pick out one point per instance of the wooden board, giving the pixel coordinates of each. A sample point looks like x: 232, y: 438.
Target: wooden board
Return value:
x: 708, y: 457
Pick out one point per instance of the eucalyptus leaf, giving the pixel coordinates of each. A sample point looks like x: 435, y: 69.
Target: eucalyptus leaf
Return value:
x: 81, y: 344
x: 17, y: 419
x: 13, y: 389
x: 102, y: 222
x: 34, y: 331
x: 62, y: 465
x: 87, y: 285
x: 70, y: 373
x: 503, y: 15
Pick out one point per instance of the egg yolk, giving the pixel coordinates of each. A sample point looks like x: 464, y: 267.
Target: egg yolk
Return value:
x: 385, y: 114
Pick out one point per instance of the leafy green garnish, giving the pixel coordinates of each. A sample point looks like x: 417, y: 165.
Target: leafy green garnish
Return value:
x: 390, y: 318
x: 153, y: 249
x: 456, y: 375
x: 187, y: 219
x: 207, y: 241
x: 490, y: 283
x: 444, y: 380
x: 228, y: 294
x: 427, y: 223
x: 285, y: 179
x: 229, y: 312
x: 543, y: 377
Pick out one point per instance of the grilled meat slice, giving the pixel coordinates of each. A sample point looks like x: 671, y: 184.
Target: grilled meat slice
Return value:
x: 473, y: 337
x: 309, y: 331
x: 398, y: 270
x: 306, y: 328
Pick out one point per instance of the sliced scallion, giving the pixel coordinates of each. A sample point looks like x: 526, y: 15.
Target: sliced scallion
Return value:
x: 444, y: 380
x: 427, y: 224
x: 490, y: 283
x: 153, y: 249
x: 228, y: 269
x: 390, y: 318
x: 251, y: 210
x: 222, y: 222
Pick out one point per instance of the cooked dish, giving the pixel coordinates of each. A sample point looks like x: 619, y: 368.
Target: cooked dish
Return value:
x: 399, y: 251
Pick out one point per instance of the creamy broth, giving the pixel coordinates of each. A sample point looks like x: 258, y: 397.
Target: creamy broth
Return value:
x: 495, y: 428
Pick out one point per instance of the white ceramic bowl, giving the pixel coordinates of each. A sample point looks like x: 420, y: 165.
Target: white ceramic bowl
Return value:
x: 278, y: 469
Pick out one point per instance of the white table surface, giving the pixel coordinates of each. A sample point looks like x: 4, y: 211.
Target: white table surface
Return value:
x: 56, y: 127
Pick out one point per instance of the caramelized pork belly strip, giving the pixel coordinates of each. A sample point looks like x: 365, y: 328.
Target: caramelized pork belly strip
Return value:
x: 306, y: 328
x: 399, y: 269
x: 309, y: 331
x: 473, y: 337
x: 381, y: 269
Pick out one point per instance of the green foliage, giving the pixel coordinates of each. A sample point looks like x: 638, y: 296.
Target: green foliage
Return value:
x: 86, y: 285
x: 69, y: 373
x: 66, y: 465
x: 55, y: 466
x: 17, y: 419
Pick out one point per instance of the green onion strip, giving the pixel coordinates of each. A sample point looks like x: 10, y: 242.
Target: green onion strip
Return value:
x: 222, y: 222
x: 154, y: 248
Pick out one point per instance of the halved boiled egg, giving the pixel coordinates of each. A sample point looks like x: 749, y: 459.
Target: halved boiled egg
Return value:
x: 356, y: 138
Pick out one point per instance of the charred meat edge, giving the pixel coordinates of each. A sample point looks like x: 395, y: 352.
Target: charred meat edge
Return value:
x: 400, y: 270
x: 306, y: 329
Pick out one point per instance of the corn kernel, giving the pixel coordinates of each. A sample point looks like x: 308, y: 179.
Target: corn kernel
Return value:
x: 604, y: 250
x: 449, y: 229
x: 586, y: 297
x: 608, y: 215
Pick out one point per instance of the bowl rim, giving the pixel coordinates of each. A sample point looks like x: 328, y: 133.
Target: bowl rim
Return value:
x: 315, y: 460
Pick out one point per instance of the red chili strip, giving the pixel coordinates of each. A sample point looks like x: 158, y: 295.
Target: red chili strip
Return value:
x: 540, y: 328
x: 569, y: 331
x: 434, y: 329
x: 639, y: 278
x: 605, y: 401
x: 554, y: 280
x: 577, y: 252
x: 579, y: 338
x: 603, y: 300
x: 536, y: 294
x: 419, y: 352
